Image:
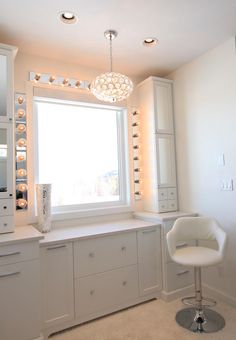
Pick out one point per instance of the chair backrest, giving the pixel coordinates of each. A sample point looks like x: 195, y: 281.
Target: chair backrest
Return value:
x: 195, y: 228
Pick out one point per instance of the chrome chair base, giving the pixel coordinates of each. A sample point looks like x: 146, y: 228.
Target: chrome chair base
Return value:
x: 200, y: 321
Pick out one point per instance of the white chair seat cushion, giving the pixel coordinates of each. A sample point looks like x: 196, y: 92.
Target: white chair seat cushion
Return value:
x: 197, y: 256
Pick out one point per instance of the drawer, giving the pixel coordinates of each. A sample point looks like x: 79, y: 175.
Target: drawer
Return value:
x: 162, y: 194
x: 6, y: 207
x: 162, y: 206
x: 6, y: 224
x: 19, y: 252
x: 104, y: 253
x: 101, y: 291
x: 178, y: 276
x: 171, y: 194
x: 180, y: 244
x: 171, y: 205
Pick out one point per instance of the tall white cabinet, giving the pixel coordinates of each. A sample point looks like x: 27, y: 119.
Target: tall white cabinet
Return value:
x: 7, y: 55
x: 158, y: 145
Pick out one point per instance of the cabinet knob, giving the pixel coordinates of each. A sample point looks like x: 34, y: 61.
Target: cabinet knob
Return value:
x: 91, y: 254
x: 5, y: 207
x: 123, y: 248
x: 10, y: 195
x: 124, y: 283
x: 5, y: 224
x: 92, y: 292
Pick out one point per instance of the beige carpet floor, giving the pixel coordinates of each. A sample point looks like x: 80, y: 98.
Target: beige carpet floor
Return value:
x: 154, y: 320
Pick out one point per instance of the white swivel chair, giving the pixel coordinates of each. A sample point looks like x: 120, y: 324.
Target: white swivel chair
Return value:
x: 197, y: 318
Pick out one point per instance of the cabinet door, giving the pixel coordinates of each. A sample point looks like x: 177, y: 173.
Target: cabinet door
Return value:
x: 149, y: 261
x: 6, y: 85
x: 19, y: 296
x: 6, y: 160
x: 57, y: 284
x: 166, y: 161
x: 163, y: 107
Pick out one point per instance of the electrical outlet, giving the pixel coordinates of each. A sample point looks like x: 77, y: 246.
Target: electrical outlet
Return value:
x: 226, y: 185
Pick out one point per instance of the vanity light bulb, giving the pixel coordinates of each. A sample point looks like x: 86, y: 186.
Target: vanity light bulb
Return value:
x: 20, y: 158
x: 78, y: 83
x: 22, y: 187
x: 37, y: 77
x: 51, y: 79
x: 20, y: 100
x: 21, y: 172
x: 21, y: 113
x: 21, y: 128
x: 65, y: 82
x: 21, y: 142
x: 21, y: 203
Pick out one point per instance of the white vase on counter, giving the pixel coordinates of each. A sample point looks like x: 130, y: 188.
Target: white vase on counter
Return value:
x: 44, y: 207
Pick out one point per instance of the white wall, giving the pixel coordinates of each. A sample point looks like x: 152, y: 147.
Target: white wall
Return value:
x: 205, y: 122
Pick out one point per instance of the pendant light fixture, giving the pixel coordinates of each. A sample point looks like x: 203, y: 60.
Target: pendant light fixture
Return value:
x: 111, y: 86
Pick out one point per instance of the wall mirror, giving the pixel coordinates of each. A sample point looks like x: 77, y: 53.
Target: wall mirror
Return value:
x: 3, y: 86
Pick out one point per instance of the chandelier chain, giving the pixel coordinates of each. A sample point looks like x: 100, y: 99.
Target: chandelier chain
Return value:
x: 111, y: 65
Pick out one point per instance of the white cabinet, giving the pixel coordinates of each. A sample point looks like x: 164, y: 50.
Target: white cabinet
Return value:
x: 99, y: 274
x: 149, y: 261
x: 7, y: 54
x: 163, y: 106
x: 57, y: 284
x: 158, y: 146
x: 19, y: 291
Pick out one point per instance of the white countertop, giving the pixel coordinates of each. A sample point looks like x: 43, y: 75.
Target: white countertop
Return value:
x: 21, y: 234
x: 163, y: 217
x: 94, y: 230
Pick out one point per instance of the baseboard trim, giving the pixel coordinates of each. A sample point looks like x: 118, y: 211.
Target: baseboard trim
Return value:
x: 219, y: 295
x: 175, y: 294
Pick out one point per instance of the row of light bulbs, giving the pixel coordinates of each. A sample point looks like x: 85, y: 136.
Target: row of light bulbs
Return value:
x: 46, y: 78
x: 21, y: 142
x: 136, y: 154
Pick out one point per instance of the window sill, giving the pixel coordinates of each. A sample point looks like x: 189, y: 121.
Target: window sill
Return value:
x: 60, y: 216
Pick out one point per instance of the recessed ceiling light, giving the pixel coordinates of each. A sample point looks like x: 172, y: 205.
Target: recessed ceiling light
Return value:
x: 68, y: 17
x: 150, y: 41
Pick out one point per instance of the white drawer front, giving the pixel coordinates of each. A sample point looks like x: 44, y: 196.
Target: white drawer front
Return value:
x: 162, y: 206
x: 162, y: 194
x: 19, y: 252
x: 105, y: 253
x: 178, y: 276
x: 172, y: 205
x: 6, y: 207
x: 101, y: 291
x: 171, y: 194
x: 179, y: 245
x: 6, y: 224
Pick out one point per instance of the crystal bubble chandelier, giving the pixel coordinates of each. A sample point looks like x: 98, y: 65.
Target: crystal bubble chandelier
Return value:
x: 111, y: 86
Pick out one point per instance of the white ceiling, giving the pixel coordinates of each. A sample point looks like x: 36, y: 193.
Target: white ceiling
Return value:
x: 185, y: 29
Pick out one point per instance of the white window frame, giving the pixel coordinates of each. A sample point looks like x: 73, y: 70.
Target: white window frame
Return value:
x: 124, y: 205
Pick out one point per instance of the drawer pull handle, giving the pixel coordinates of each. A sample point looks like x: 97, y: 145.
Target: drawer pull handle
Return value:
x: 9, y: 274
x: 181, y: 245
x: 91, y: 254
x: 123, y: 248
x: 5, y: 207
x: 149, y: 231
x: 10, y: 254
x: 183, y: 272
x: 57, y: 247
x: 124, y: 283
x: 92, y: 292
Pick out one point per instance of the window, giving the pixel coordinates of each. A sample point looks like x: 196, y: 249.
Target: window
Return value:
x: 81, y: 150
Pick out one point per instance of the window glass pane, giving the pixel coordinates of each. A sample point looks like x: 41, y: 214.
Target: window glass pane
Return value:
x: 78, y: 153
